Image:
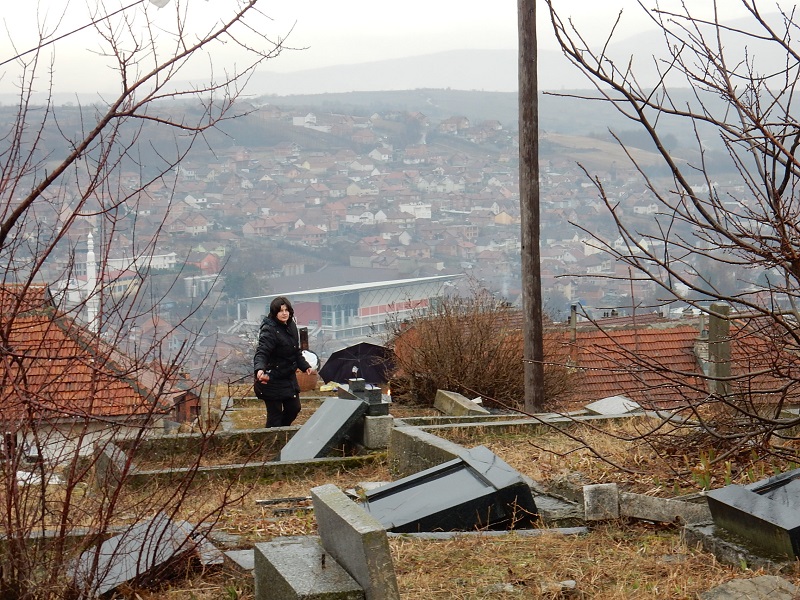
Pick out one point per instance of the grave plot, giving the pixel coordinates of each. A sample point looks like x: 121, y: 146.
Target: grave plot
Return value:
x: 477, y: 490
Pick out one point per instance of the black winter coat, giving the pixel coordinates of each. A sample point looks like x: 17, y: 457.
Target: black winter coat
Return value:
x: 278, y: 353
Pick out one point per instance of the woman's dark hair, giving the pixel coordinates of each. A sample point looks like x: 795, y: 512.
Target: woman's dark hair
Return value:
x: 275, y: 307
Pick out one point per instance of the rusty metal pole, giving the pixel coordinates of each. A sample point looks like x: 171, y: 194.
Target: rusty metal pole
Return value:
x: 533, y: 348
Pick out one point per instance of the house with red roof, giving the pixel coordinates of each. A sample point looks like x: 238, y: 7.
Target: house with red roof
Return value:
x: 63, y: 387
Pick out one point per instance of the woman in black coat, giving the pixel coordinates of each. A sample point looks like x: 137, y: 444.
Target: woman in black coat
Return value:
x: 277, y: 358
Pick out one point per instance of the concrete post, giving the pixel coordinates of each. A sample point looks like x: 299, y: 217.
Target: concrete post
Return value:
x: 719, y: 349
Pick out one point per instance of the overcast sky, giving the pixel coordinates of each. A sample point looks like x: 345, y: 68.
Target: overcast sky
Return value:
x: 351, y: 31
x: 359, y: 30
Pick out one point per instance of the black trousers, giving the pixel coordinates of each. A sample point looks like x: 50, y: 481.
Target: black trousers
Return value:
x: 282, y: 411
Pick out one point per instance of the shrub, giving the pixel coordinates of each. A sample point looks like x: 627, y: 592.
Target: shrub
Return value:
x: 468, y: 344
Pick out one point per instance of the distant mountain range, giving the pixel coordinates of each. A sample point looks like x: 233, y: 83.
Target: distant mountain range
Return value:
x: 490, y: 70
x: 470, y: 70
x: 478, y: 70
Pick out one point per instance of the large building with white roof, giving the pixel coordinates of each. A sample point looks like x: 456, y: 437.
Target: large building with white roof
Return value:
x: 355, y: 310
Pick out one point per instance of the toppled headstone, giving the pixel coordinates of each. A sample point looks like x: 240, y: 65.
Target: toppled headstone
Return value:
x: 477, y: 490
x: 604, y: 501
x: 328, y: 427
x: 664, y: 510
x: 764, y: 513
x: 241, y: 560
x: 729, y: 551
x: 145, y: 553
x: 111, y: 464
x: 454, y: 404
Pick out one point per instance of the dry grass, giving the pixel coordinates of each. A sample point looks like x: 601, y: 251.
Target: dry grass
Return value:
x: 613, y: 561
x: 616, y: 561
x: 252, y: 414
x: 616, y: 452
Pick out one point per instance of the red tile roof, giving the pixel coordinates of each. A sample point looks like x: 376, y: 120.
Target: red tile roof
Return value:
x: 656, y: 364
x: 640, y: 363
x: 52, y: 367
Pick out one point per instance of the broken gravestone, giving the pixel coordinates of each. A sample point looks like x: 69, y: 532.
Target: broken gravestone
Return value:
x: 765, y: 514
x: 145, y: 553
x: 601, y: 501
x: 357, y: 541
x: 294, y: 568
x: 326, y: 429
x: 477, y: 490
x: 111, y: 465
x: 454, y: 404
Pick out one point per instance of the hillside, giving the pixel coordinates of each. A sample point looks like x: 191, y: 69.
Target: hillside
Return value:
x: 593, y: 153
x: 437, y: 104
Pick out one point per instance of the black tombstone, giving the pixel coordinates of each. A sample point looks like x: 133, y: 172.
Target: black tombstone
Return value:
x: 765, y: 514
x: 326, y: 429
x: 478, y: 490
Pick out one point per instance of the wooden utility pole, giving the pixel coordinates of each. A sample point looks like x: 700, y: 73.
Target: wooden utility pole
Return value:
x: 533, y: 351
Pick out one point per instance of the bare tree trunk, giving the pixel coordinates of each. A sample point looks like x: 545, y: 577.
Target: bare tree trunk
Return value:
x: 529, y: 207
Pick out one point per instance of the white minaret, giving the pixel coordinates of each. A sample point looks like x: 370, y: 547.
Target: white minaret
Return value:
x: 92, y: 301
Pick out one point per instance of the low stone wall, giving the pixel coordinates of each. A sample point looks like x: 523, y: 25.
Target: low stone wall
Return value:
x: 246, y: 441
x: 477, y: 427
x: 412, y: 450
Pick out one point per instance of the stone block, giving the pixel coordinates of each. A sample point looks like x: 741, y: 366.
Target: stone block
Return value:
x: 376, y: 431
x: 373, y: 395
x: 453, y: 403
x: 357, y: 385
x: 601, y: 501
x: 378, y: 409
x: 412, y: 450
x: 357, y: 541
x: 769, y: 587
x: 662, y: 510
x: 299, y: 568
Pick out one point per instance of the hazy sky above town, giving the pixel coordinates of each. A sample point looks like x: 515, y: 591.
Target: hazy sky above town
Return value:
x: 331, y: 33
